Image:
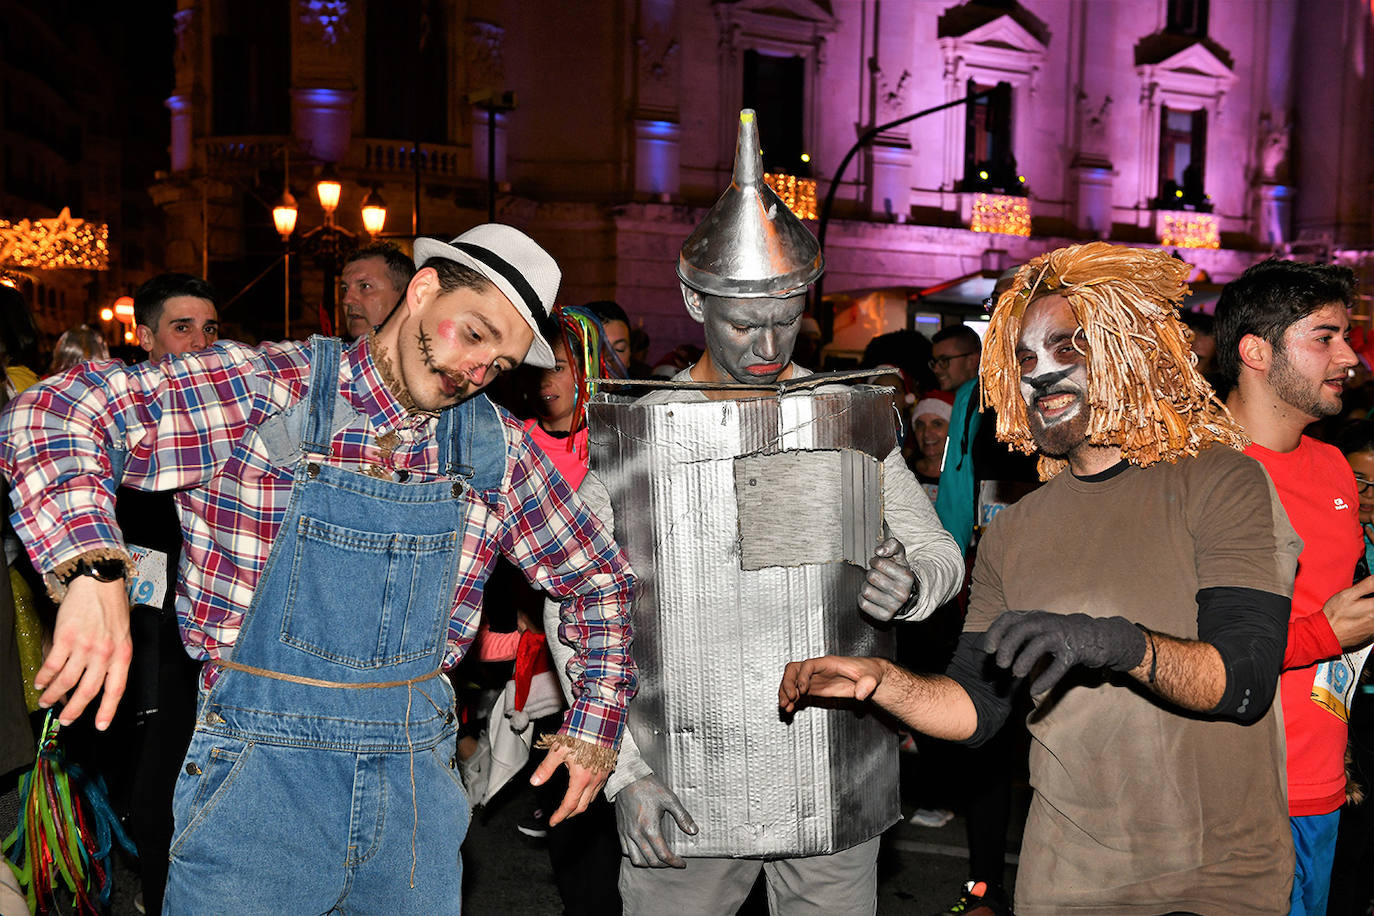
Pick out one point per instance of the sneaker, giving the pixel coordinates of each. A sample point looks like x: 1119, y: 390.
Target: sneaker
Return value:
x: 930, y: 817
x: 534, y: 824
x: 979, y: 899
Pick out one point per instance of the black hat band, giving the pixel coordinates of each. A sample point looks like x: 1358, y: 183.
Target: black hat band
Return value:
x: 512, y: 276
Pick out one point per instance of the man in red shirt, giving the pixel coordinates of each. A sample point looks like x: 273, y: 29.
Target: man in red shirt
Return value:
x: 1281, y: 340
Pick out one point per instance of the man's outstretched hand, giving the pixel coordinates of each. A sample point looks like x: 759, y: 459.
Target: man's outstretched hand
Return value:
x: 91, y: 649
x: 1022, y: 638
x: 830, y: 676
x: 583, y: 782
x: 639, y: 810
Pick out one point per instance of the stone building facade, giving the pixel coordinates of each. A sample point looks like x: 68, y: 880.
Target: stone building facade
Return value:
x: 606, y: 127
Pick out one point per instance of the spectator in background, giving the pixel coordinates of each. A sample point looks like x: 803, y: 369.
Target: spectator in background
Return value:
x: 1204, y: 344
x: 930, y: 430
x: 639, y: 353
x: 78, y: 345
x: 1281, y: 343
x: 907, y: 353
x: 373, y: 281
x: 955, y: 353
x: 585, y: 851
x: 175, y: 313
x: 615, y: 327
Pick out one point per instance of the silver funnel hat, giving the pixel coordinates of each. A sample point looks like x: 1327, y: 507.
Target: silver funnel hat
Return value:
x: 750, y: 245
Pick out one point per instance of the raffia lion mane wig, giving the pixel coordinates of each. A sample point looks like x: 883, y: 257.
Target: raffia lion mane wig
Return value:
x: 1144, y: 389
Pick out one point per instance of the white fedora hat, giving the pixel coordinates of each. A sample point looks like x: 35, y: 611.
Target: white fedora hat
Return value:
x: 525, y: 273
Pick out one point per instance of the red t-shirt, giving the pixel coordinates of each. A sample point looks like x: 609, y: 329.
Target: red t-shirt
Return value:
x: 1317, y: 489
x: 568, y: 453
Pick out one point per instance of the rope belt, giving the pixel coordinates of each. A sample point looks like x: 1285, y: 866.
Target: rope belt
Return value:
x: 316, y: 682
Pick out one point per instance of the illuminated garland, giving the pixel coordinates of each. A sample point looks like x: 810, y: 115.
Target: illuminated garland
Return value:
x: 798, y: 193
x: 55, y: 244
x: 1000, y: 213
x: 1181, y: 229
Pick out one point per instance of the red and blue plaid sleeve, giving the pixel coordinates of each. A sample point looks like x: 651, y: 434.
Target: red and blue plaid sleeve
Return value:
x: 564, y: 549
x: 169, y: 424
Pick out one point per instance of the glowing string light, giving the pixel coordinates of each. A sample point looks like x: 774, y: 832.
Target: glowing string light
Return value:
x: 62, y: 242
x: 1182, y: 229
x: 798, y: 193
x: 1000, y: 213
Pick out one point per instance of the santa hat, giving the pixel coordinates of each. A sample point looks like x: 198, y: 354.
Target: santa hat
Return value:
x: 937, y: 406
x: 533, y: 689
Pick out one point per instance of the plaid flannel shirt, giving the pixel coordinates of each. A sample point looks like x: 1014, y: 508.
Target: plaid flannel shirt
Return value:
x: 190, y: 424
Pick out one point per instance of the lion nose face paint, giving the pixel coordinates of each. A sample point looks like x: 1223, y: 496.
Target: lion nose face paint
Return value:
x: 1054, y: 375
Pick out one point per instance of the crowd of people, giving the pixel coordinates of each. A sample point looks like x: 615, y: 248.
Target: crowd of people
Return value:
x: 1170, y: 588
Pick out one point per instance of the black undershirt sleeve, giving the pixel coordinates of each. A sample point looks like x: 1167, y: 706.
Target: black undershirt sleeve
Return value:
x: 989, y: 687
x: 1249, y: 628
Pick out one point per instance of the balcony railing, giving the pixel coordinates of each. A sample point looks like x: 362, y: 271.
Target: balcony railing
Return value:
x: 368, y: 155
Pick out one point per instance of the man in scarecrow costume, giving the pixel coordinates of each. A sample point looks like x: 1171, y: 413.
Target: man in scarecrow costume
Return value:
x: 744, y: 273
x: 1146, y: 585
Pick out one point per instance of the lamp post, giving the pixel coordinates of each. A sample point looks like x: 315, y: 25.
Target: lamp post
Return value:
x: 284, y: 218
x: 325, y: 242
x: 328, y: 189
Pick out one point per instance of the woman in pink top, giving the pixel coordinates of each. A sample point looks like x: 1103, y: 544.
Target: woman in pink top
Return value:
x: 560, y: 429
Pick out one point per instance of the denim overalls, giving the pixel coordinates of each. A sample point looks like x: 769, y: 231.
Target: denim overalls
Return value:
x: 303, y: 792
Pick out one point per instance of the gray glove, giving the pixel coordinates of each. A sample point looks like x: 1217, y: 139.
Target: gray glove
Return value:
x: 1073, y: 639
x: 639, y: 810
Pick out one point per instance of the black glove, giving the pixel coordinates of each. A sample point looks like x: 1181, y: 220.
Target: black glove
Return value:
x: 1073, y: 639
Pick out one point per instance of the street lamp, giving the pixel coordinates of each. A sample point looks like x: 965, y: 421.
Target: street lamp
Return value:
x: 328, y: 189
x: 284, y: 218
x: 374, y: 213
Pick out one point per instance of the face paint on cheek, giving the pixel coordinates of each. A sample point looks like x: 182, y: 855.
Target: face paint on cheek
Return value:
x: 1055, y: 392
x: 448, y: 330
x: 426, y: 349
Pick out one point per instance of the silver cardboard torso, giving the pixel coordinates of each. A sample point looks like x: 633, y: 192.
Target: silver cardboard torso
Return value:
x: 750, y: 524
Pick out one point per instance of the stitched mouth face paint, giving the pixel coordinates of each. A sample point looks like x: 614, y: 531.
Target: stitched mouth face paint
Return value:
x: 1054, y: 375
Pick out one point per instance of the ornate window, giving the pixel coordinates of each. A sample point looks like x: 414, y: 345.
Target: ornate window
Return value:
x: 772, y: 55
x: 1009, y: 48
x: 1181, y: 96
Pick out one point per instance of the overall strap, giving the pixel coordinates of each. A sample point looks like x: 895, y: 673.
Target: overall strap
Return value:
x: 318, y: 430
x: 472, y: 443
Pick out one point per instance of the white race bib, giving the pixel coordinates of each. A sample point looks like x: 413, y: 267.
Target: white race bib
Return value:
x: 148, y: 586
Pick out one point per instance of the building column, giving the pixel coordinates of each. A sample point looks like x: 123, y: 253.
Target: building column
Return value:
x: 657, y: 156
x: 1275, y: 215
x: 481, y: 131
x: 889, y: 185
x: 1094, y: 185
x: 322, y: 121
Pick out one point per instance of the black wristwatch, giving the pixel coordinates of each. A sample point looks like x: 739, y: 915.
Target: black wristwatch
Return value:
x: 108, y: 570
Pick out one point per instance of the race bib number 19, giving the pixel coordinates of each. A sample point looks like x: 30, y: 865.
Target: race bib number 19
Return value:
x: 1335, y: 682
x: 148, y: 586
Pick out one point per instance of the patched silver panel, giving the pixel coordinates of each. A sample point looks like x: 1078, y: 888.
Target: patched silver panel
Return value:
x: 712, y: 637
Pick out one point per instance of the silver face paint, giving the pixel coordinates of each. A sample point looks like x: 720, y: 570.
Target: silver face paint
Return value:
x: 1054, y: 375
x: 751, y: 340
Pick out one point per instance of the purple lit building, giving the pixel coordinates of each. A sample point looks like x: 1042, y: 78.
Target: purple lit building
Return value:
x: 1226, y: 129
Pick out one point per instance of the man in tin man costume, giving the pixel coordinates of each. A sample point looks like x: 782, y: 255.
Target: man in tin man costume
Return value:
x: 696, y: 483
